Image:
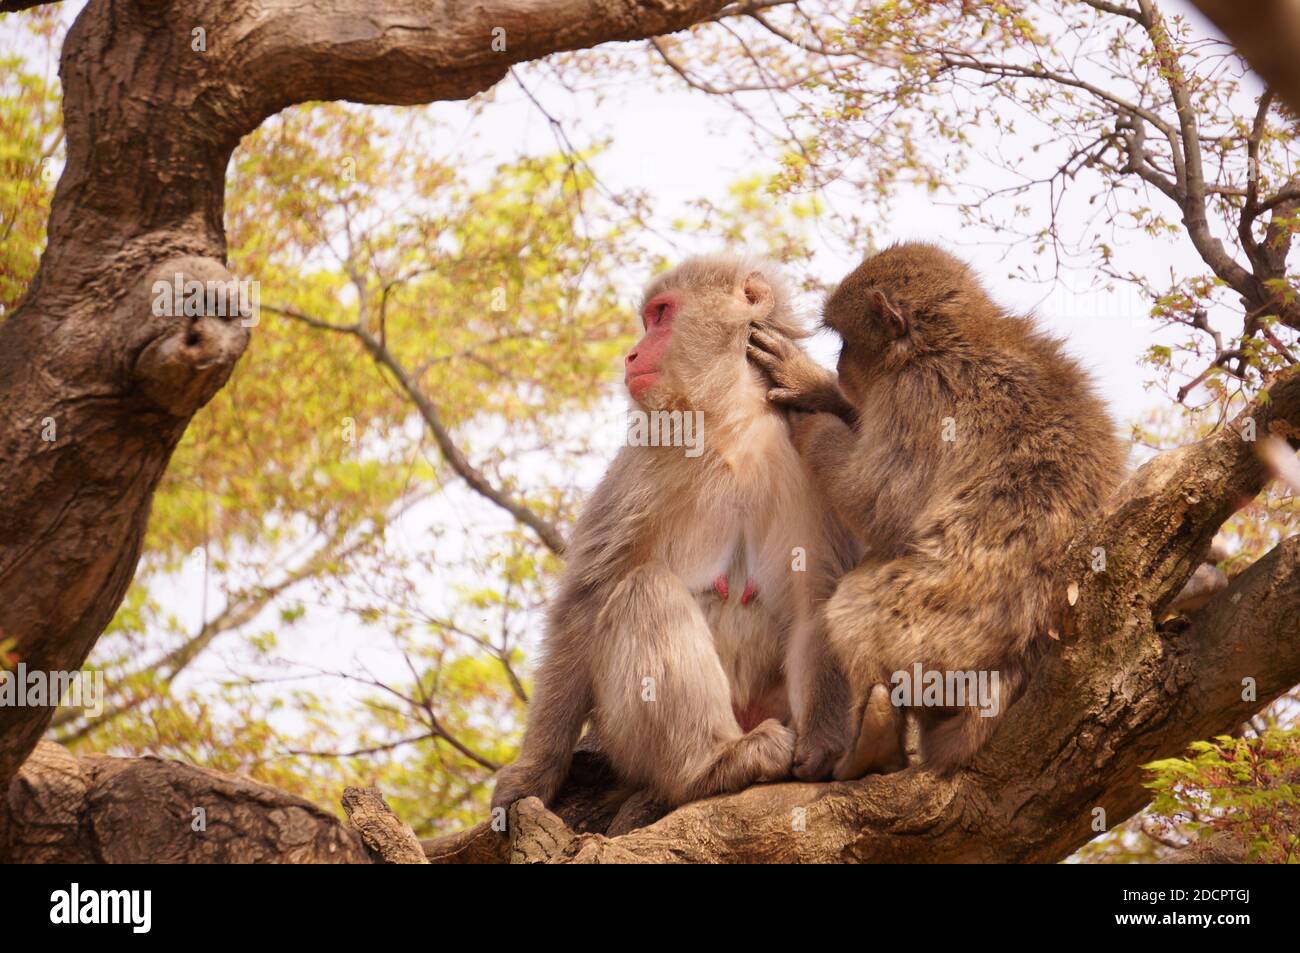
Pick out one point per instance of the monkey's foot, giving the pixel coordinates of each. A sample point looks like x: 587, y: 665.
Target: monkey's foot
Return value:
x: 815, y: 757
x: 764, y: 754
x: 770, y: 750
x: 878, y: 744
x: 517, y: 781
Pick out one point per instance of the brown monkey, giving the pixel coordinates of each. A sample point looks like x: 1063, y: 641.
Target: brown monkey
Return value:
x: 979, y: 450
x: 683, y: 628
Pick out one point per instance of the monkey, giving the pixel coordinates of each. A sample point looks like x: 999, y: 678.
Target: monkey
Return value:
x: 683, y: 628
x: 964, y: 449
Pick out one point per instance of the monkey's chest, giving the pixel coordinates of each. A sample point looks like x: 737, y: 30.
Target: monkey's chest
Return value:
x: 728, y: 549
x: 750, y: 641
x: 729, y: 555
x: 741, y: 601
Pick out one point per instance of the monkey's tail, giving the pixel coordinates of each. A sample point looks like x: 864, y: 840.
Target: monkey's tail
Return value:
x: 950, y: 743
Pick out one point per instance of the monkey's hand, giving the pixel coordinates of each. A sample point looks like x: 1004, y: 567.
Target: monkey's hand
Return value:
x: 516, y: 782
x: 799, y: 382
x: 816, y: 754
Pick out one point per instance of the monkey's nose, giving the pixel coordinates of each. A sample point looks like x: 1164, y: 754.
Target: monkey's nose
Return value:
x: 630, y: 358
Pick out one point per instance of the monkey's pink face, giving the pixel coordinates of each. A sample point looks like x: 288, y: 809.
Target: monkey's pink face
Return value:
x: 644, y: 363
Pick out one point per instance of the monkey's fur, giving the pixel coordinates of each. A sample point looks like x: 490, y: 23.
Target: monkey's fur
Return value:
x: 962, y: 533
x: 648, y: 636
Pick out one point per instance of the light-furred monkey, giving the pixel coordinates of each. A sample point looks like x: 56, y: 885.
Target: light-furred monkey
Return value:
x: 683, y: 627
x: 979, y: 451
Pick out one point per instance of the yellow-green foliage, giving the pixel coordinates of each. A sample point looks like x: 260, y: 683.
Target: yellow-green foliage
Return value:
x: 30, y: 156
x: 1247, y: 787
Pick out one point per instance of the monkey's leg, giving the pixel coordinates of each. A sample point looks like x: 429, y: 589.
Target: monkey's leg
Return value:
x: 819, y: 695
x: 880, y: 745
x: 663, y: 701
x: 923, y: 623
x: 860, y: 629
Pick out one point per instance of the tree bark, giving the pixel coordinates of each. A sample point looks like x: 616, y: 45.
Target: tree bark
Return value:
x: 101, y: 810
x: 96, y: 389
x: 388, y: 839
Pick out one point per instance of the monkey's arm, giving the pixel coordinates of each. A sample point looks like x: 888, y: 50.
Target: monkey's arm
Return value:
x: 562, y: 699
x: 827, y: 400
x: 800, y: 382
x: 828, y: 445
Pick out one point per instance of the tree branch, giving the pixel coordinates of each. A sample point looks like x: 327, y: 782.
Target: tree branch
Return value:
x: 1116, y: 8
x: 1207, y: 246
x: 240, y: 609
x: 13, y: 6
x: 102, y: 810
x: 1250, y: 208
x: 1158, y: 528
x: 456, y: 459
x: 390, y: 840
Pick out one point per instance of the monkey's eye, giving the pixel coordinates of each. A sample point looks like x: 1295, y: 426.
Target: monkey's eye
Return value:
x: 659, y: 314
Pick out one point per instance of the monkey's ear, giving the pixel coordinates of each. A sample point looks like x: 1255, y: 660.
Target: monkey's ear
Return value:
x: 758, y: 292
x: 894, y: 316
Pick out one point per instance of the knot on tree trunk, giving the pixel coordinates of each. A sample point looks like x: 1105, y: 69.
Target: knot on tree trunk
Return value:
x: 195, y: 318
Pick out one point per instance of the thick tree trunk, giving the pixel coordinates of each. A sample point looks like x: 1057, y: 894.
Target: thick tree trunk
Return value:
x: 96, y: 389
